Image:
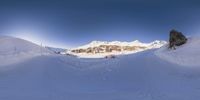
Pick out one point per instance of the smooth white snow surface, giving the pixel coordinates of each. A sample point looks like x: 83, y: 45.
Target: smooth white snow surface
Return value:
x: 140, y: 76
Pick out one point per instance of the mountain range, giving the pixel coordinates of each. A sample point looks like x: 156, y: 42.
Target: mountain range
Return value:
x: 114, y: 48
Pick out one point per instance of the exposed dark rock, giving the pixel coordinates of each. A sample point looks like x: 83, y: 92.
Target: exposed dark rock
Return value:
x: 176, y: 39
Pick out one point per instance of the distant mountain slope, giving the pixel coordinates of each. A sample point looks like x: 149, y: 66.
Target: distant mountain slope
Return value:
x: 103, y: 48
x: 155, y: 43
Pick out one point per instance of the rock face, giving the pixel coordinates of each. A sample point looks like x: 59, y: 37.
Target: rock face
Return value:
x: 176, y: 39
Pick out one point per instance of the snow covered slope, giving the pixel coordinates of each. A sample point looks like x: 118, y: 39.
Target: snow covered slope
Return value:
x: 187, y: 55
x: 140, y: 76
x: 15, y: 49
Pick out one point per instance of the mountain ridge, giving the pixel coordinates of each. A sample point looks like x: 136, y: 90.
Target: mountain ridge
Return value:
x: 105, y: 48
x: 122, y: 43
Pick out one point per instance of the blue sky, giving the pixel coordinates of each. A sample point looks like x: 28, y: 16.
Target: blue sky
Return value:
x: 71, y: 23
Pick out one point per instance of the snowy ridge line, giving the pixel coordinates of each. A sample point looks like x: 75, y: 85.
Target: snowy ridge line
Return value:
x: 119, y: 43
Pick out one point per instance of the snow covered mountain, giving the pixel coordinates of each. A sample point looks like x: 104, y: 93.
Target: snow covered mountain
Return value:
x: 155, y: 43
x: 157, y: 74
x: 103, y: 48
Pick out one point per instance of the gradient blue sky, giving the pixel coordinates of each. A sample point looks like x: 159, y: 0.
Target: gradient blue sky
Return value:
x: 70, y: 23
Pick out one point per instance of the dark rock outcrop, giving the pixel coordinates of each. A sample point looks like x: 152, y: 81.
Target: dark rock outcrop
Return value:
x: 176, y: 39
